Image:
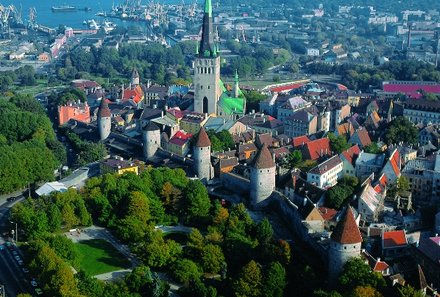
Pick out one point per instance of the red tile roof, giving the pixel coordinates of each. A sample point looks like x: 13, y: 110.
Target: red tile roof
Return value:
x: 180, y: 138
x: 347, y: 230
x: 202, y: 139
x: 263, y: 159
x: 300, y: 140
x: 176, y: 112
x: 327, y: 213
x: 317, y: 148
x: 380, y: 266
x: 351, y: 153
x: 286, y: 88
x: 392, y: 239
x: 411, y: 89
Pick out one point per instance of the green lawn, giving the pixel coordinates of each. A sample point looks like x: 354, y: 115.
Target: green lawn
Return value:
x: 99, y: 256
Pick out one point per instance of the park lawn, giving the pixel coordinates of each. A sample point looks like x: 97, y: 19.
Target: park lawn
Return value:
x: 99, y: 256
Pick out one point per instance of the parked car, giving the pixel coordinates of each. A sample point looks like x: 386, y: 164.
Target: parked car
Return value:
x: 25, y: 270
x: 2, y: 247
x: 34, y: 282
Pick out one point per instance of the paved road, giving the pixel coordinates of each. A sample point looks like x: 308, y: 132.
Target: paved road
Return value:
x: 11, y: 275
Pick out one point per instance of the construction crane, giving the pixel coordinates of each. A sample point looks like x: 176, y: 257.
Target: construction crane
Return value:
x: 32, y: 18
x: 5, y: 12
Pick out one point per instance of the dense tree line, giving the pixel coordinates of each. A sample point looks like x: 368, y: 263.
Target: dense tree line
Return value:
x: 153, y: 61
x: 221, y: 256
x: 25, y: 76
x: 29, y: 150
x: 252, y: 59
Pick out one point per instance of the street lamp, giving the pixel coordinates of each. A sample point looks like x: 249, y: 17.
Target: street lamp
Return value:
x: 16, y: 231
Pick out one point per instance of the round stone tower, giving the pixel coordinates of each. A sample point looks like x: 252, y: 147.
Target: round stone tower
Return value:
x: 150, y: 140
x: 262, y: 181
x: 135, y: 80
x: 202, y: 156
x: 104, y: 120
x: 345, y: 243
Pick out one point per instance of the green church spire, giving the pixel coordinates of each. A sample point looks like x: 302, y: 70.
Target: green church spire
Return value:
x: 208, y: 7
x: 236, y: 76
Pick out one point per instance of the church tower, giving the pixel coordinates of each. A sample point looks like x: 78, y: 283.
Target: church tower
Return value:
x: 262, y: 177
x: 135, y: 80
x: 236, y: 86
x: 150, y: 140
x: 104, y: 120
x: 202, y: 156
x: 345, y: 243
x: 207, y: 68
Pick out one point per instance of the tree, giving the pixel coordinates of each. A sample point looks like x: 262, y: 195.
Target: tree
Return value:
x: 249, y: 282
x: 401, y: 130
x: 365, y: 291
x: 197, y: 288
x: 338, y: 143
x: 212, y: 258
x: 294, y: 158
x: 357, y: 273
x: 372, y: 148
x: 196, y: 203
x: 408, y: 291
x: 338, y: 194
x: 274, y: 280
x: 186, y: 270
x: 264, y: 231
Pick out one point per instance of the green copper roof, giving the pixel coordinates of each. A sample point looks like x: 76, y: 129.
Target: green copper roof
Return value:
x: 208, y: 7
x: 232, y: 105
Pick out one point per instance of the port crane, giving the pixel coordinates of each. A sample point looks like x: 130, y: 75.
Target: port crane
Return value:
x: 32, y: 23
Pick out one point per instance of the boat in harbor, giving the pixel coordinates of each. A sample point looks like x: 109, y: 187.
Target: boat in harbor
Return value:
x: 63, y: 8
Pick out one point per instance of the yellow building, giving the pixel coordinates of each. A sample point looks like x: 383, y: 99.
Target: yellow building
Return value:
x: 192, y: 122
x: 118, y: 166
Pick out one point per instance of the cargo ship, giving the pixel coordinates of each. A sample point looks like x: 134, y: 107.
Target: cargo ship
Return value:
x: 63, y: 8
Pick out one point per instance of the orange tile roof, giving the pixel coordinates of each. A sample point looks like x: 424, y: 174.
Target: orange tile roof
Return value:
x: 364, y: 138
x: 345, y: 129
x: 135, y: 94
x: 300, y: 140
x: 351, y: 153
x: 395, y: 162
x: 392, y: 239
x: 347, y: 230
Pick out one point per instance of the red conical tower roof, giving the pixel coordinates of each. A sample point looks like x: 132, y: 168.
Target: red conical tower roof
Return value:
x: 347, y: 230
x: 202, y: 139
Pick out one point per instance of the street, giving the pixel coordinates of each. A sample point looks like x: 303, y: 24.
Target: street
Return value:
x: 11, y: 274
